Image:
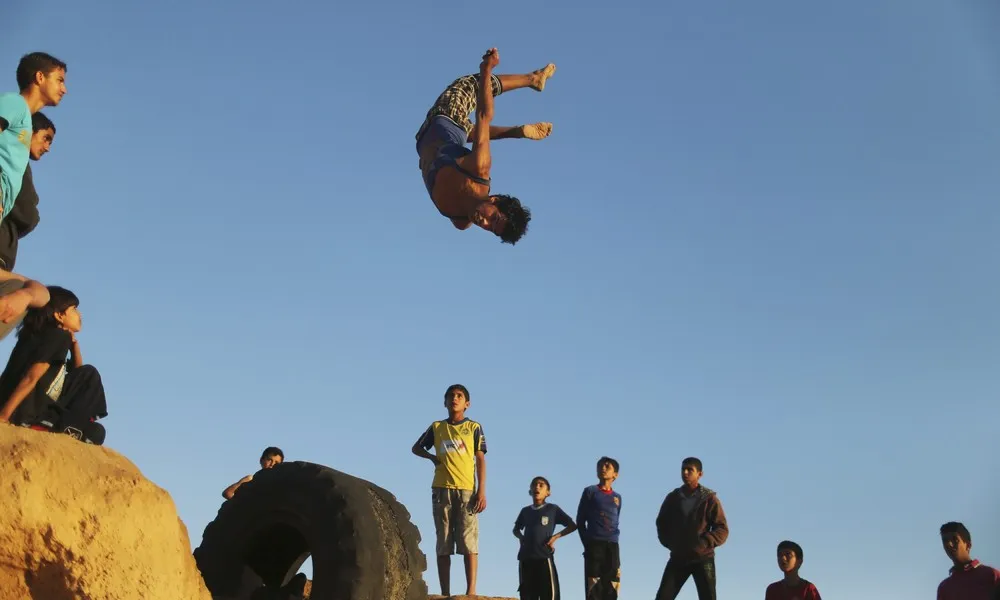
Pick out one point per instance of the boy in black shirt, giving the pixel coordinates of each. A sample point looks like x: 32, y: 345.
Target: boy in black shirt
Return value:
x: 39, y: 388
x: 536, y: 566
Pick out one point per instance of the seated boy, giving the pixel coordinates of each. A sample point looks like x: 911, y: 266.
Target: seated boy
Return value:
x: 269, y: 458
x: 791, y: 587
x: 39, y: 388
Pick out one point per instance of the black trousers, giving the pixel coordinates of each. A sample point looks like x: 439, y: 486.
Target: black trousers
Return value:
x: 602, y: 570
x: 82, y: 402
x: 675, y: 574
x: 539, y: 579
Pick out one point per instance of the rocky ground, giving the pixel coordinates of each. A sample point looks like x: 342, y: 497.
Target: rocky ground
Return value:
x: 81, y: 522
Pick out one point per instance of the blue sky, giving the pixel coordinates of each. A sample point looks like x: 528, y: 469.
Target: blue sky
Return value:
x: 764, y: 234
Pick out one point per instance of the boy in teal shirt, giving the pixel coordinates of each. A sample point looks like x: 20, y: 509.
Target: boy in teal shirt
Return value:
x: 41, y: 79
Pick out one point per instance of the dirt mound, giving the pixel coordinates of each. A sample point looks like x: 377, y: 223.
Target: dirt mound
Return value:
x: 80, y: 522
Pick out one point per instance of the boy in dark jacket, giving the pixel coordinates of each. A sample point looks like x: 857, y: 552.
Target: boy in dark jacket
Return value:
x: 691, y: 524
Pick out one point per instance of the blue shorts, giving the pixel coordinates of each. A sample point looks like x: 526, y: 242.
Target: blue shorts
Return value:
x: 441, y: 143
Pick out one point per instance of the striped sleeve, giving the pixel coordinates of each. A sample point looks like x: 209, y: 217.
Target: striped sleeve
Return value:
x: 479, y: 439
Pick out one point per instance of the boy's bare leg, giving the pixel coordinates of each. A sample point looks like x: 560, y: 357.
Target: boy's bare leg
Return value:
x: 444, y: 575
x: 535, y: 80
x: 534, y: 131
x: 471, y: 566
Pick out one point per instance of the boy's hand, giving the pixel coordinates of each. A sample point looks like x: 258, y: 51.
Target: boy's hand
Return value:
x: 480, y: 504
x: 552, y: 543
x: 435, y: 460
x: 13, y: 304
x: 490, y: 60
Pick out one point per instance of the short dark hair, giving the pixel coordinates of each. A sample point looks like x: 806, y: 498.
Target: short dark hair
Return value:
x: 459, y: 387
x: 795, y: 548
x: 34, y: 63
x: 517, y: 218
x: 608, y: 459
x: 40, y: 121
x: 37, y: 320
x: 957, y: 527
x: 543, y: 480
x: 691, y: 461
x: 271, y: 452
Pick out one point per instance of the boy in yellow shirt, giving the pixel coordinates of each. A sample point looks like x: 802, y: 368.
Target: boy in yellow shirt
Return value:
x: 459, y: 460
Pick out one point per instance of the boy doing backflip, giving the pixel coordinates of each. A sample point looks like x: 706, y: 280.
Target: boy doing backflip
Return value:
x: 458, y: 179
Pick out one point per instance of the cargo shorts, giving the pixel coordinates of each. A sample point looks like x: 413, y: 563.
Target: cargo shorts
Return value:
x: 455, y: 522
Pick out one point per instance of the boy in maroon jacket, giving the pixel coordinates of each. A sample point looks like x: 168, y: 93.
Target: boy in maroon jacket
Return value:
x: 968, y: 579
x: 691, y: 524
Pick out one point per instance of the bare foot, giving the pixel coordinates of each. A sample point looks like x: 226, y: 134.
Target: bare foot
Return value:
x: 537, y: 131
x: 541, y: 76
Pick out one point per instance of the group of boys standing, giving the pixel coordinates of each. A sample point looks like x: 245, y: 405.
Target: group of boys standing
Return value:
x: 691, y: 524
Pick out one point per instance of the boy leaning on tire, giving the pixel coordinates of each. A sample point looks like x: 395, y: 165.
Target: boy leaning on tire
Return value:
x: 459, y: 460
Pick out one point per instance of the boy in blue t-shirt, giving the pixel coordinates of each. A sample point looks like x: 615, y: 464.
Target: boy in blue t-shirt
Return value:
x: 41, y: 80
x: 597, y: 518
x: 537, y: 573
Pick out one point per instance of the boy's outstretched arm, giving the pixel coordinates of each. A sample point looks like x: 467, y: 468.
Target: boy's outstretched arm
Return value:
x: 32, y: 295
x: 24, y: 387
x: 231, y: 490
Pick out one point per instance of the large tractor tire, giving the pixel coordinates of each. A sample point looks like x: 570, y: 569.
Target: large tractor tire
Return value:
x: 361, y: 540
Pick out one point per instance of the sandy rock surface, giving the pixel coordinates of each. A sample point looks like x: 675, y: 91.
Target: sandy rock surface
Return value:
x: 80, y: 522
